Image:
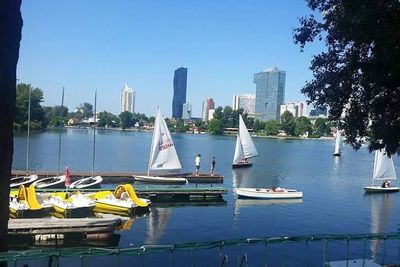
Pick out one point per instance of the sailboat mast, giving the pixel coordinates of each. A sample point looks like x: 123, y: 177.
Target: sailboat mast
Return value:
x: 152, y: 141
x: 29, y: 127
x: 94, y: 132
x: 59, y: 136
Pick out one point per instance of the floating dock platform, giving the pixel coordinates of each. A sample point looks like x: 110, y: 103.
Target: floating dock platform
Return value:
x: 127, y: 177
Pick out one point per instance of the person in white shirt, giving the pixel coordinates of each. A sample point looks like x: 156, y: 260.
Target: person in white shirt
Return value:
x: 197, y: 164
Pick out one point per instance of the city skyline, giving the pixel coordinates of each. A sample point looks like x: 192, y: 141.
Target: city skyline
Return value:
x: 137, y: 42
x: 180, y: 90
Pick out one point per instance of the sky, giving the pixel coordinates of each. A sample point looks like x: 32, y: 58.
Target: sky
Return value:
x: 92, y: 45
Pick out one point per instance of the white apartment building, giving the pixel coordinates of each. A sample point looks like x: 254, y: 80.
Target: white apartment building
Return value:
x: 127, y: 99
x: 298, y: 109
x: 245, y: 101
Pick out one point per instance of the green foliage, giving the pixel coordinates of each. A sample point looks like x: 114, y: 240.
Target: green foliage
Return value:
x: 215, y: 126
x: 303, y: 126
x: 21, y: 106
x: 126, y: 118
x: 107, y: 119
x: 272, y: 127
x: 218, y: 113
x: 86, y: 109
x: 320, y: 127
x: 257, y: 125
x: 288, y: 124
x: 359, y: 72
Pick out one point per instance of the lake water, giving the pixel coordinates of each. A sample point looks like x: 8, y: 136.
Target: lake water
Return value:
x: 333, y: 201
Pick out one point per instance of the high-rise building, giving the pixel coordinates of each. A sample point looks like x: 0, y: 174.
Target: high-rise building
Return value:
x: 187, y: 111
x: 298, y: 109
x: 180, y: 83
x: 207, y: 105
x: 270, y: 93
x: 127, y: 99
x: 245, y: 101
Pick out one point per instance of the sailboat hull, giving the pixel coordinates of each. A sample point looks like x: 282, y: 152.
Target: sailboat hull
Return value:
x: 158, y: 179
x: 89, y: 182
x: 242, y: 165
x: 379, y: 189
x: 262, y: 193
x: 337, y: 154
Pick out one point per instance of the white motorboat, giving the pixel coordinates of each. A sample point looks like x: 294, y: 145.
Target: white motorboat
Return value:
x: 268, y: 193
x: 383, y: 171
x: 163, y: 155
x: 88, y: 182
x: 245, y: 148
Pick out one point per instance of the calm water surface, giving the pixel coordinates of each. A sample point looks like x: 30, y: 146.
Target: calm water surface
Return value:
x: 333, y: 202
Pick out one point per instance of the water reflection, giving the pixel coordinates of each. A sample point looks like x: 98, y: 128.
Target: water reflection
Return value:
x: 380, y: 212
x: 243, y: 203
x: 156, y: 224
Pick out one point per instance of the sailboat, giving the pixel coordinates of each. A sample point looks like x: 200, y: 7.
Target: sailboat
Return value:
x: 383, y: 171
x: 163, y: 155
x: 337, y: 151
x: 29, y: 178
x: 92, y: 181
x: 55, y: 181
x: 245, y: 148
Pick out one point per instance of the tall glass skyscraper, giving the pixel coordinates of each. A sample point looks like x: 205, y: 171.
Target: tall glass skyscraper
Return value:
x: 180, y: 82
x: 270, y: 93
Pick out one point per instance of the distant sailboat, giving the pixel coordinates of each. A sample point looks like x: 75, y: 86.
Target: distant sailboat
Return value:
x: 29, y: 178
x: 163, y: 155
x: 383, y: 171
x: 245, y: 148
x: 338, y: 141
x: 92, y: 181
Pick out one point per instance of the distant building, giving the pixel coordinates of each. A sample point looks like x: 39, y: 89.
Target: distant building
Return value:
x: 298, y: 109
x: 245, y: 101
x: 187, y: 111
x: 270, y: 93
x: 211, y: 114
x: 180, y: 83
x: 127, y: 99
x: 319, y: 112
x: 207, y: 105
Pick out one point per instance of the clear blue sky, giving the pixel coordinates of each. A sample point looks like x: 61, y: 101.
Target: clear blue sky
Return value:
x: 98, y: 44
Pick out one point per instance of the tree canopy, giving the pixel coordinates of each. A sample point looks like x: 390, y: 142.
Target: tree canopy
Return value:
x: 359, y: 74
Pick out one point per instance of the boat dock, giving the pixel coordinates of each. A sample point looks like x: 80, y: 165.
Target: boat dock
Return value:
x: 127, y: 177
x: 182, y: 193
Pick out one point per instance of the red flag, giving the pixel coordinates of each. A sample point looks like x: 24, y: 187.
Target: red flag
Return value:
x: 67, y: 177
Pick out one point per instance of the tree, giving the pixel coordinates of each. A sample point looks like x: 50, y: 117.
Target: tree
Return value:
x: 287, y: 123
x: 107, y: 119
x: 22, y: 105
x: 272, y: 127
x: 359, y: 72
x: 320, y: 126
x: 218, y: 113
x: 258, y: 125
x: 86, y: 109
x: 10, y: 36
x: 215, y: 126
x: 303, y: 126
x: 126, y: 119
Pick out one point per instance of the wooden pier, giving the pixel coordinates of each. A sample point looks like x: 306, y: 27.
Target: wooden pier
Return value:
x: 127, y: 177
x: 182, y: 193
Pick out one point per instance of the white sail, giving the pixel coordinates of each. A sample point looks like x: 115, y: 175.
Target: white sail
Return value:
x: 383, y: 166
x: 244, y: 144
x: 239, y: 155
x: 337, y: 143
x: 163, y: 154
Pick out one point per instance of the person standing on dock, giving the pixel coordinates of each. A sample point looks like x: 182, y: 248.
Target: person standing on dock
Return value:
x: 197, y: 161
x: 212, y: 165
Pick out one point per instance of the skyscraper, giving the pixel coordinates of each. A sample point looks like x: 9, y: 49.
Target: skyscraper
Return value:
x: 245, y: 101
x: 187, y: 111
x: 127, y: 99
x: 180, y: 82
x: 270, y: 93
x: 208, y: 104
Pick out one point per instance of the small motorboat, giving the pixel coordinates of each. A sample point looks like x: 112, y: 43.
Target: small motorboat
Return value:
x: 26, y: 203
x: 268, y: 193
x: 122, y: 201
x: 88, y: 182
x: 23, y: 180
x: 51, y: 182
